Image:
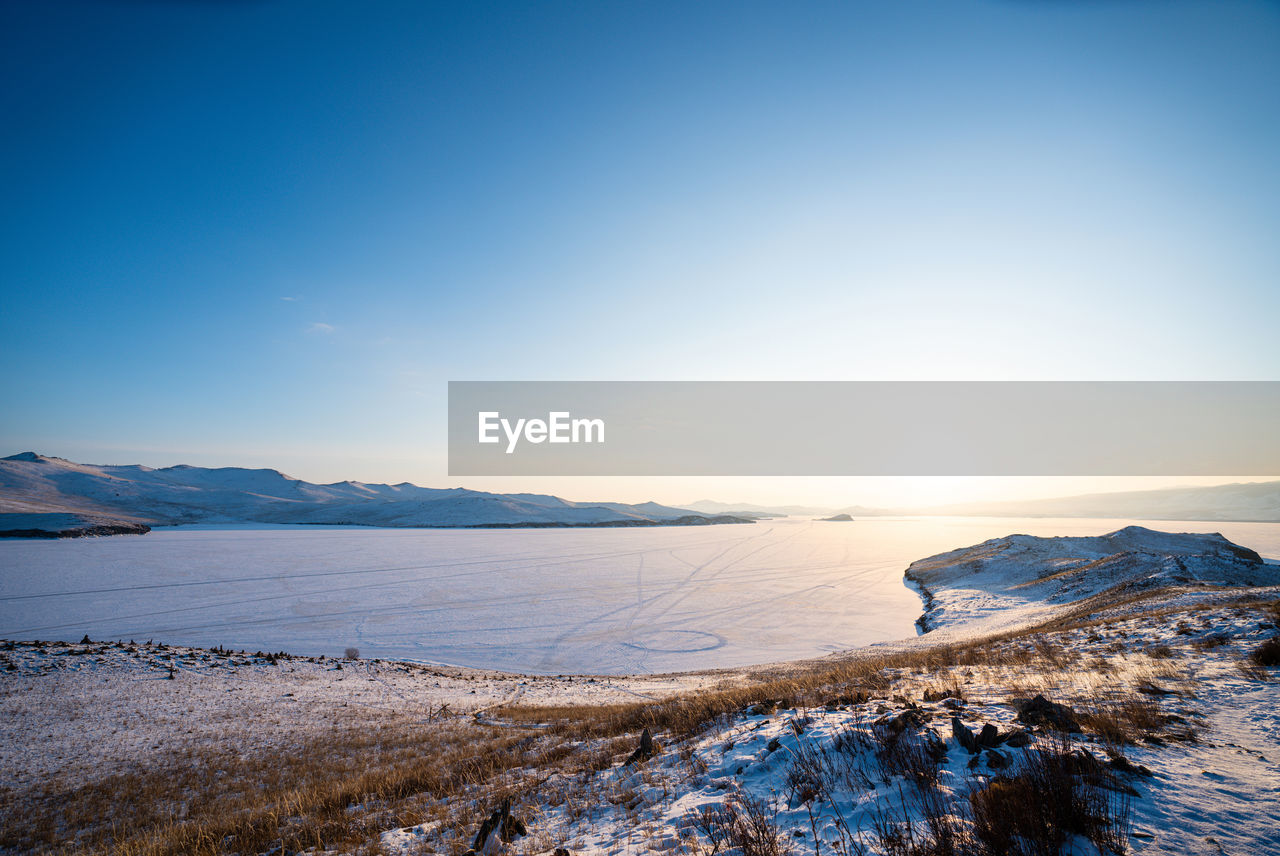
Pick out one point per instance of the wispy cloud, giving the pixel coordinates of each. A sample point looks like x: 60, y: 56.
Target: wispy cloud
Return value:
x: 291, y: 299
x: 321, y: 327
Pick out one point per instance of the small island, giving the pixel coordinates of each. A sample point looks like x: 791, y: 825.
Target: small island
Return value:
x: 837, y: 518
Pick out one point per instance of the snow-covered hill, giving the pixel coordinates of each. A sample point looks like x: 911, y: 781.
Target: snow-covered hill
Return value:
x: 56, y: 495
x: 1008, y: 580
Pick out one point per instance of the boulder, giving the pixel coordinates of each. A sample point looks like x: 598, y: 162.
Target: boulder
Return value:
x: 1018, y: 739
x: 1041, y: 711
x: 645, y: 750
x: 963, y: 735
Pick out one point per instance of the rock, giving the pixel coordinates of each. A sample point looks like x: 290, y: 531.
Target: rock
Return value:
x: 996, y: 760
x: 913, y: 718
x: 1041, y: 711
x: 1018, y: 739
x: 989, y: 737
x: 774, y: 745
x: 963, y: 735
x: 499, y: 827
x: 1084, y: 764
x: 561, y: 851
x: 500, y: 824
x: 942, y: 696
x: 1124, y: 765
x: 645, y: 750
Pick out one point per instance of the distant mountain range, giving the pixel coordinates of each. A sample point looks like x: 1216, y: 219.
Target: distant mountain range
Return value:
x: 47, y: 496
x: 41, y: 495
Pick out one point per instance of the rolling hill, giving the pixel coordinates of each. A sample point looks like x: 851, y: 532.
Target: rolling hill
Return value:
x: 41, y: 494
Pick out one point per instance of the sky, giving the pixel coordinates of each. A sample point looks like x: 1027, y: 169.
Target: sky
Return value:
x: 269, y: 233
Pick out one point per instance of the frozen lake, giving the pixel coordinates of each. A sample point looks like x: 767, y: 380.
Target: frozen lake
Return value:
x: 606, y: 601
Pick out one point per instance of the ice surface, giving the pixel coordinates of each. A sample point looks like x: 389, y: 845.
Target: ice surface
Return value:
x: 607, y: 601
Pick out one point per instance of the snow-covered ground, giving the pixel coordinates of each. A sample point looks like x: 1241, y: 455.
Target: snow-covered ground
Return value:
x: 1192, y: 749
x: 1216, y: 793
x: 623, y: 601
x: 74, y: 710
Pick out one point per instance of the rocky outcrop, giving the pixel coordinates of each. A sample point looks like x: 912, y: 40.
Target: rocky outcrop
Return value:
x: 66, y: 525
x: 80, y: 532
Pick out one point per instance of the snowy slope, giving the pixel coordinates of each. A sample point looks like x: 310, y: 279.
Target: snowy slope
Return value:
x: 46, y: 490
x: 1007, y: 580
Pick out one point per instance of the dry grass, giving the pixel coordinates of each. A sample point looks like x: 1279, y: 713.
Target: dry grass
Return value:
x: 449, y: 770
x: 1050, y: 797
x: 211, y: 803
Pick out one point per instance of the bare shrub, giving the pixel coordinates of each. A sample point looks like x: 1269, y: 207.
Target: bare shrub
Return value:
x: 744, y: 823
x: 352, y: 653
x: 903, y: 747
x: 1267, y: 654
x: 1036, y: 810
x: 1131, y: 720
x: 941, y: 830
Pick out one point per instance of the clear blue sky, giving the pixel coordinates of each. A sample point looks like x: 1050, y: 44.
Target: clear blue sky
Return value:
x: 267, y: 233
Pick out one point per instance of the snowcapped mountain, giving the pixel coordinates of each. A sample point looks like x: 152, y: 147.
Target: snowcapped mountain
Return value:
x: 55, y: 495
x: 1006, y: 580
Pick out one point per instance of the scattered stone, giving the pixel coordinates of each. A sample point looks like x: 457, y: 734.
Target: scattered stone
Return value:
x: 913, y: 718
x: 997, y: 760
x: 774, y: 745
x: 845, y: 700
x: 1041, y: 711
x: 989, y: 738
x: 942, y: 695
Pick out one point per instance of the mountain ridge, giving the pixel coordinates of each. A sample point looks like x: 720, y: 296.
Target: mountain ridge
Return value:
x: 40, y: 493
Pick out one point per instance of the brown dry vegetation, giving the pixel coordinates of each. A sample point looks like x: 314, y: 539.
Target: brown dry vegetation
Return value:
x: 340, y: 790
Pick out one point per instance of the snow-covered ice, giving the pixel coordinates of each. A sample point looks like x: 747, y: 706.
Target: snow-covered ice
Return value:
x: 604, y: 601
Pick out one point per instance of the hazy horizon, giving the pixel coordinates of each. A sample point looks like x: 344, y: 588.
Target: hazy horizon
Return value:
x: 268, y: 234
x: 833, y: 492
